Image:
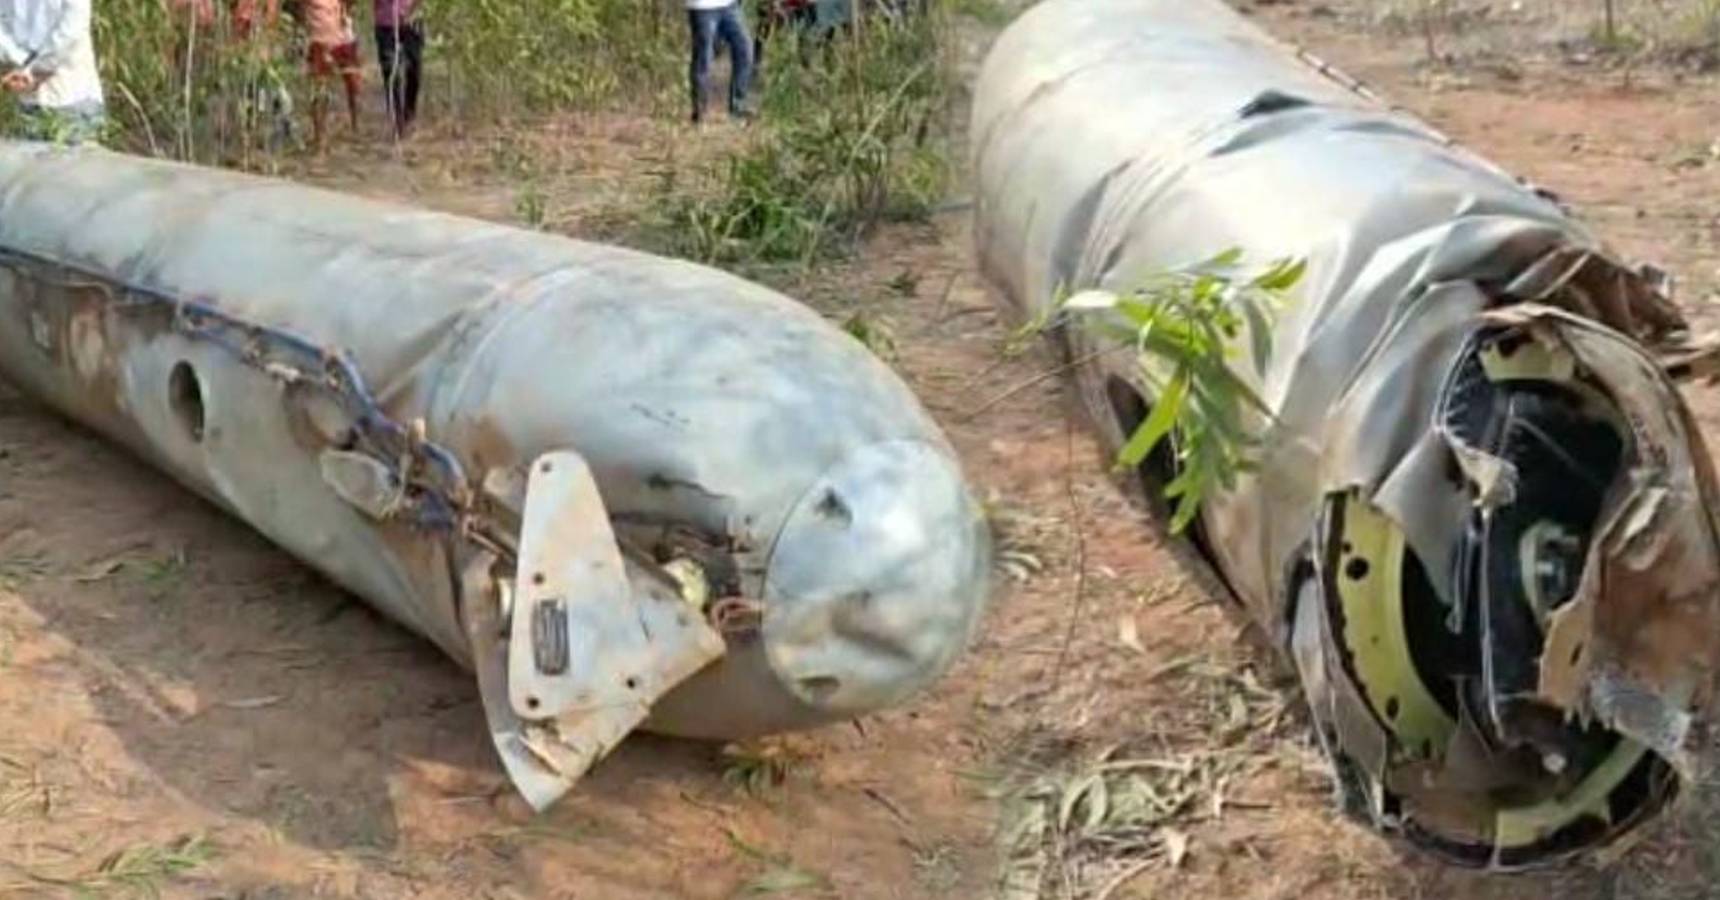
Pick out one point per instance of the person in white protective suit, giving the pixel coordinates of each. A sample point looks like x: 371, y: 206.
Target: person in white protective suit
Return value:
x: 49, y: 63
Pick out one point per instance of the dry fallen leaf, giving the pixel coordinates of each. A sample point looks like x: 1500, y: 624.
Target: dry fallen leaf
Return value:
x: 1129, y: 634
x: 253, y: 702
x: 100, y: 571
x: 1176, y: 846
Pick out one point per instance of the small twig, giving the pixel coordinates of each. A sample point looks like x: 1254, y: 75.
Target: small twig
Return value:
x: 706, y: 805
x: 888, y: 804
x: 1037, y: 379
x: 974, y: 380
x: 1078, y: 608
x: 944, y: 300
x: 142, y: 117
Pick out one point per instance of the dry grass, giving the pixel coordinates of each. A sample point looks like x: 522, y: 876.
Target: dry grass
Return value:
x: 1685, y: 33
x: 778, y: 873
x: 761, y: 767
x: 1079, y: 823
x: 23, y: 792
x: 138, y: 870
x: 18, y: 569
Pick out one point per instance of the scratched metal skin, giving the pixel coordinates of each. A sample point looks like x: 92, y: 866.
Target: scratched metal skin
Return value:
x: 261, y: 342
x: 1113, y: 139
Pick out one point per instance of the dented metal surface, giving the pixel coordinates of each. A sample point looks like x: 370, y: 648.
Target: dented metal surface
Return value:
x: 571, y: 466
x: 1483, y: 526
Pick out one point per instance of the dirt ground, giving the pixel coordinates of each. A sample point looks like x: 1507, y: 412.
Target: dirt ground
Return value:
x: 185, y: 710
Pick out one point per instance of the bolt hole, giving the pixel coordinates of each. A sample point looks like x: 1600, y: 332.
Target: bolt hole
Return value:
x: 537, y: 578
x: 831, y: 507
x: 1392, y: 708
x: 1356, y: 569
x: 1577, y: 654
x: 185, y: 399
x: 632, y: 683
x: 533, y: 703
x: 545, y: 467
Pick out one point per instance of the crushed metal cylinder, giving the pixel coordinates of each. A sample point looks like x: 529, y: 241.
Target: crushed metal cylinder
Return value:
x: 628, y: 492
x: 1482, y: 528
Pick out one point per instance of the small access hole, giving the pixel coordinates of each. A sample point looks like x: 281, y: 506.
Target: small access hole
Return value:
x: 185, y: 399
x: 821, y: 687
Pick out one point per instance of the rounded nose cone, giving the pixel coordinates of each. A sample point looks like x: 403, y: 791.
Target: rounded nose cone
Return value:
x: 876, y: 580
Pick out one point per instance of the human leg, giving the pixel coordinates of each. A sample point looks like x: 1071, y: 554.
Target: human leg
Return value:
x: 412, y: 38
x: 391, y: 61
x: 321, y: 68
x: 733, y: 28
x: 349, y: 63
x: 701, y: 27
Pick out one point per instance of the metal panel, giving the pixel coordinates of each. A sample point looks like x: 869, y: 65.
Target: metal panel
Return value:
x: 1540, y: 530
x: 368, y: 385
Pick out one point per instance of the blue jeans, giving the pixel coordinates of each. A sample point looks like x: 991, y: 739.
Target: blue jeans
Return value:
x: 706, y: 26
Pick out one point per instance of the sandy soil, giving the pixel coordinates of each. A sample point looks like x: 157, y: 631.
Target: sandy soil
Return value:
x: 188, y: 710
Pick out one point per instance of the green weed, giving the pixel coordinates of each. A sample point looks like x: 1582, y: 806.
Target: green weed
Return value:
x: 780, y: 874
x: 756, y: 769
x: 874, y: 332
x: 20, y: 569
x: 493, y: 60
x: 1186, y: 325
x: 197, y: 93
x: 141, y: 870
x: 853, y: 132
x: 531, y: 206
x: 1696, y: 30
x: 204, y: 92
x: 991, y: 13
x: 160, y: 575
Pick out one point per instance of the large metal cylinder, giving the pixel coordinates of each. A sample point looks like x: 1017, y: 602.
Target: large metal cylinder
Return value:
x: 627, y: 491
x: 1481, y: 527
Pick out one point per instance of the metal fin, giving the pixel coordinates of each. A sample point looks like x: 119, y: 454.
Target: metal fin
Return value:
x: 591, y: 642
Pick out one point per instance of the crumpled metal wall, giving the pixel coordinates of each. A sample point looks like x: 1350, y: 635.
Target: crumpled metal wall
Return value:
x: 414, y: 402
x: 1117, y: 138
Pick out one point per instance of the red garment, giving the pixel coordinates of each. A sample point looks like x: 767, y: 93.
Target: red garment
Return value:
x: 328, y: 59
